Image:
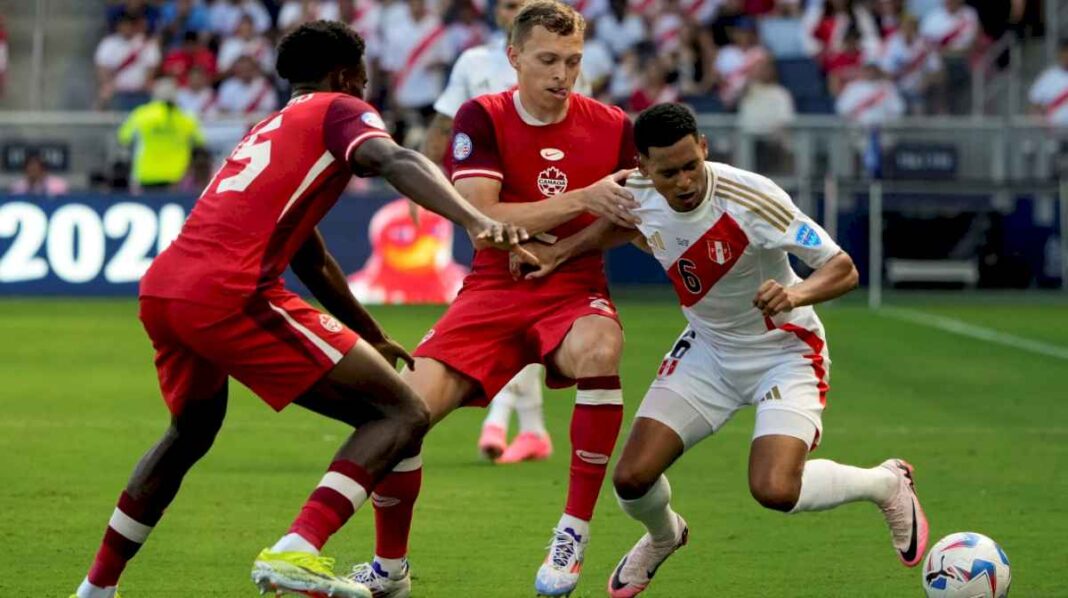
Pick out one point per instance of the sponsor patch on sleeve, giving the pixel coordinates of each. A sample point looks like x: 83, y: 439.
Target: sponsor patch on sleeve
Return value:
x: 372, y: 119
x: 461, y: 146
x: 807, y: 237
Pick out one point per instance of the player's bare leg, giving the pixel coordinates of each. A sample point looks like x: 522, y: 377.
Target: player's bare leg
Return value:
x: 781, y: 478
x: 152, y: 487
x: 532, y: 443
x: 589, y: 354
x: 390, y: 420
x: 442, y: 390
x: 644, y: 493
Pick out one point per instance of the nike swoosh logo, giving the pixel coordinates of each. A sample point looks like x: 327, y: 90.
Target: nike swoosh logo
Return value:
x: 592, y: 458
x: 384, y: 502
x: 910, y: 554
x: 616, y: 583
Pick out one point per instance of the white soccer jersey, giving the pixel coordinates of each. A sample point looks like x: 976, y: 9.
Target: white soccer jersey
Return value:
x: 951, y: 31
x: 719, y: 254
x: 481, y: 70
x: 908, y: 62
x: 240, y: 98
x: 1050, y: 92
x: 870, y: 102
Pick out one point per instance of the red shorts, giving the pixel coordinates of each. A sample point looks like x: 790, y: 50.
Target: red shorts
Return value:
x: 277, y: 345
x: 489, y: 334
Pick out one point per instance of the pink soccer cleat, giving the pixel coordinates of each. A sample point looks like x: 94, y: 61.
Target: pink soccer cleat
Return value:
x: 904, y: 516
x: 635, y: 571
x: 528, y: 446
x: 492, y: 442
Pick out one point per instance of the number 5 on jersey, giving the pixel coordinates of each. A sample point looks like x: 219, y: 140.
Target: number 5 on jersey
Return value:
x: 258, y: 154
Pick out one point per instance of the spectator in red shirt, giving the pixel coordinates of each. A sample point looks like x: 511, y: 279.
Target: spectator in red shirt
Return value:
x: 843, y: 65
x: 192, y: 53
x: 655, y: 88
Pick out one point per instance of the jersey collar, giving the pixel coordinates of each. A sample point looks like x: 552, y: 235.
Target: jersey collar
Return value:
x: 527, y: 117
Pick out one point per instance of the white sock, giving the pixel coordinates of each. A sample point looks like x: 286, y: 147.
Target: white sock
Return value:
x: 528, y: 408
x: 653, y: 510
x: 500, y: 409
x: 579, y: 526
x: 826, y: 484
x: 394, y: 568
x: 294, y: 543
x: 88, y: 590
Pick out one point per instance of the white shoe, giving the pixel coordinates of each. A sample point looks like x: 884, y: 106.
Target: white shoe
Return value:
x: 559, y: 574
x: 636, y: 569
x: 380, y: 583
x: 904, y: 516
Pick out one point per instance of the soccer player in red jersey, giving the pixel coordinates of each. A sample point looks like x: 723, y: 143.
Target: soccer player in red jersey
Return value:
x: 549, y: 160
x: 214, y: 306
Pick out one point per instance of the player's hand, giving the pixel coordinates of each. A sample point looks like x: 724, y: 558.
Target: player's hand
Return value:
x: 773, y: 299
x: 548, y: 257
x: 609, y: 199
x: 392, y: 351
x: 498, y: 235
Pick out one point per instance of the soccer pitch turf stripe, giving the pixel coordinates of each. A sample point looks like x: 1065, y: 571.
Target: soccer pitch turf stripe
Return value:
x: 990, y: 335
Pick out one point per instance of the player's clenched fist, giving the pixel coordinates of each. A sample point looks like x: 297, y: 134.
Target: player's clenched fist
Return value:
x: 498, y: 235
x: 609, y: 199
x: 772, y: 299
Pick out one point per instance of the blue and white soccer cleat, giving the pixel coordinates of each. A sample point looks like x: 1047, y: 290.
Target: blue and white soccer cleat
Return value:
x: 559, y: 574
x: 380, y: 583
x: 636, y: 569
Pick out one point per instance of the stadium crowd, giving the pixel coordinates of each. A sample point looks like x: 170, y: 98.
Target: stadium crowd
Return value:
x: 868, y: 60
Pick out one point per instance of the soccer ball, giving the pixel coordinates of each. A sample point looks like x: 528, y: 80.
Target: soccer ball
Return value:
x: 966, y: 565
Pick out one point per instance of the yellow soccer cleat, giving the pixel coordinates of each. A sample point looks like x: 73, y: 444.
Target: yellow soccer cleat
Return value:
x: 302, y: 573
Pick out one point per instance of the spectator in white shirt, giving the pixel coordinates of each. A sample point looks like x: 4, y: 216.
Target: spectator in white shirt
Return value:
x: 295, y: 13
x: 35, y: 179
x: 911, y: 62
x: 736, y: 62
x: 247, y: 93
x: 416, y: 53
x: 952, y: 28
x: 871, y: 100
x: 766, y: 108
x: 1049, y: 94
x: 197, y: 97
x: 621, y: 28
x: 245, y: 42
x: 125, y: 62
x: 224, y: 15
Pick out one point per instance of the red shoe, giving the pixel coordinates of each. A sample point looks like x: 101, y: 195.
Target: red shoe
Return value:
x: 528, y: 446
x: 493, y: 442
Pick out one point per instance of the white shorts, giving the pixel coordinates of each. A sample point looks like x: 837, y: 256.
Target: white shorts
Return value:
x: 700, y: 385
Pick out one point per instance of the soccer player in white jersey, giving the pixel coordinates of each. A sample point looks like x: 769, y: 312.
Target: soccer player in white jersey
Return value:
x: 723, y: 235
x: 481, y: 70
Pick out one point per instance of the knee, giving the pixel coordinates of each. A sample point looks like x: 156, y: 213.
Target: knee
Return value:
x: 193, y: 441
x: 632, y: 482
x: 600, y: 358
x: 413, y: 423
x: 779, y: 493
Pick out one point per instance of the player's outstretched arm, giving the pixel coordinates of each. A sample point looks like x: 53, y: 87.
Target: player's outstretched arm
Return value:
x: 602, y: 235
x: 420, y: 180
x: 833, y: 279
x: 320, y: 272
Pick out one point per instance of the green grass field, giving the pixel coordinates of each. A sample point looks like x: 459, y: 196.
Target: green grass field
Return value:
x: 986, y: 426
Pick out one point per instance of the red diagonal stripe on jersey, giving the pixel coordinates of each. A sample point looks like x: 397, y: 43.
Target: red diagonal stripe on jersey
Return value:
x: 815, y: 343
x: 704, y: 263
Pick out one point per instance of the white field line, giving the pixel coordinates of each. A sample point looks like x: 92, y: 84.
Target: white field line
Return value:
x: 989, y: 335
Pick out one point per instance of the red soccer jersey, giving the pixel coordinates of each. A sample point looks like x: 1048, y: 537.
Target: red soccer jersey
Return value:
x: 264, y: 202
x: 492, y: 139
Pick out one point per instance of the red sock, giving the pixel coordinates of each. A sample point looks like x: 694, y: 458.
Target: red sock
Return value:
x: 341, y: 491
x: 128, y: 529
x: 594, y: 428
x: 394, y: 499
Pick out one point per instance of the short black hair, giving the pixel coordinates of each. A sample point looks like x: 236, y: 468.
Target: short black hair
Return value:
x: 663, y: 125
x: 316, y: 49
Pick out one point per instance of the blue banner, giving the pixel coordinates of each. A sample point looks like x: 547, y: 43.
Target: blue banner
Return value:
x: 85, y: 245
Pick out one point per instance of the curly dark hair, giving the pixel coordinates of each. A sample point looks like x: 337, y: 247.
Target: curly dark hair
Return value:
x: 316, y: 49
x: 663, y: 125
